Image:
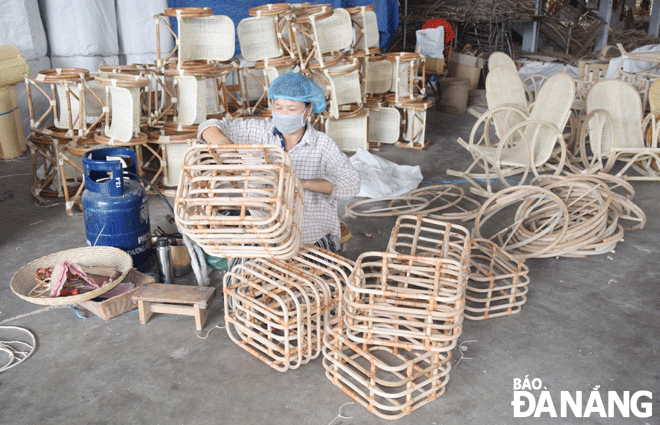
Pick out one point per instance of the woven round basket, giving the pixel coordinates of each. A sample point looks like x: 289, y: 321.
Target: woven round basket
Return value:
x: 24, y: 280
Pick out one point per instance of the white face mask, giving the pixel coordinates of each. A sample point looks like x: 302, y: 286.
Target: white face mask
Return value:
x: 287, y: 123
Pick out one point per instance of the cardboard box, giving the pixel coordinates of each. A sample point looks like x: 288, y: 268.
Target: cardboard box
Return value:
x: 466, y: 66
x: 435, y: 65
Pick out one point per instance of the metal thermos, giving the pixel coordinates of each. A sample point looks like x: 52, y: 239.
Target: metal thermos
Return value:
x: 164, y: 254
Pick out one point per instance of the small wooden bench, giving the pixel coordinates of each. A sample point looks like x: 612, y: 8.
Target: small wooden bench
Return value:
x: 174, y: 299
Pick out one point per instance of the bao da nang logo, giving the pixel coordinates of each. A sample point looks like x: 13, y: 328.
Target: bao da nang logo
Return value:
x: 532, y: 399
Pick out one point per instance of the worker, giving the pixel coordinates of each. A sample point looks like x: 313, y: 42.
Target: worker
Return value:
x: 325, y: 172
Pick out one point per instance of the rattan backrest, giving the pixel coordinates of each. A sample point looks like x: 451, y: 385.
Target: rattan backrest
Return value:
x: 122, y: 125
x: 258, y: 38
x: 504, y: 87
x: 366, y: 30
x: 349, y: 133
x: 377, y: 76
x: 623, y: 103
x: 497, y: 59
x: 94, y: 108
x: 191, y: 97
x: 334, y: 33
x: 68, y: 104
x: 208, y: 38
x: 384, y: 125
x: 552, y: 106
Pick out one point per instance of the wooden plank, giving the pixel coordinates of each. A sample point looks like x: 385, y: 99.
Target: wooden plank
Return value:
x: 183, y: 310
x: 177, y: 294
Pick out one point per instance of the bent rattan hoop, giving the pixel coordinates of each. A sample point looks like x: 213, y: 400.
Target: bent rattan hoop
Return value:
x: 535, y: 201
x: 446, y: 202
x: 386, y: 206
x: 188, y: 12
x: 24, y: 279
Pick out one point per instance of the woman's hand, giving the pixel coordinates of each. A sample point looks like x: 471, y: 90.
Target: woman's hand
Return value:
x: 213, y: 135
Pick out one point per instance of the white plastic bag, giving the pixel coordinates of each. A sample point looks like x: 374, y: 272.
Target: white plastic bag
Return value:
x: 380, y: 177
x: 431, y: 42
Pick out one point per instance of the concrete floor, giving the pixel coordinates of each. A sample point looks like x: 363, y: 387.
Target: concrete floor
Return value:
x: 588, y: 323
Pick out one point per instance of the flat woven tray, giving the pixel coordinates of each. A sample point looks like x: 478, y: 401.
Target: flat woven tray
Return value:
x: 24, y: 280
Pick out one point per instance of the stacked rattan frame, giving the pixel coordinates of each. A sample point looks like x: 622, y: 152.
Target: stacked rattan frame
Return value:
x: 278, y: 310
x: 201, y: 35
x: 256, y: 184
x: 75, y: 110
x: 67, y: 98
x: 173, y: 146
x: 365, y: 24
x: 402, y: 315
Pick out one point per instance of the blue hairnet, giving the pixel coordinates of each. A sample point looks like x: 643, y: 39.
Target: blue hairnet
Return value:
x: 294, y: 86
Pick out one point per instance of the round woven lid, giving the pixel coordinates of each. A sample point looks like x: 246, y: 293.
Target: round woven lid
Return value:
x: 24, y: 280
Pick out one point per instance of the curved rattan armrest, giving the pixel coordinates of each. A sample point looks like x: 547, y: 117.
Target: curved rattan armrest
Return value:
x: 486, y: 117
x: 652, y: 119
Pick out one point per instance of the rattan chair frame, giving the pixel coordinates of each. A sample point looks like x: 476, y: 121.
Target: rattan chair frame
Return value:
x: 422, y: 236
x: 408, y: 75
x: 615, y: 127
x: 277, y: 310
x: 67, y: 88
x: 414, y: 134
x: 418, y: 298
x: 391, y: 385
x: 527, y: 146
x: 365, y: 25
x: 253, y: 180
x: 498, y: 283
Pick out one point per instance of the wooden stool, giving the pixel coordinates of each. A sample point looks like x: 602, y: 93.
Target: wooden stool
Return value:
x: 174, y: 299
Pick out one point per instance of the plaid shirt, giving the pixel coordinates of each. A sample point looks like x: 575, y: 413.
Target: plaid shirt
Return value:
x: 316, y: 156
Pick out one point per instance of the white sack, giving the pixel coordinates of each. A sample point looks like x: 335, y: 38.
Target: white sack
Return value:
x: 631, y: 65
x: 81, y: 27
x: 381, y: 178
x: 139, y: 58
x: 545, y: 68
x: 20, y: 24
x: 137, y: 30
x: 431, y: 42
x: 90, y: 63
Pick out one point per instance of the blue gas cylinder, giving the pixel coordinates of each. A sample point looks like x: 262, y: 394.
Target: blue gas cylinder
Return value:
x: 115, y: 205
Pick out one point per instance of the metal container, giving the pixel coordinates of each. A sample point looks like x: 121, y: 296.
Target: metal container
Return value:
x: 164, y: 255
x: 115, y: 205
